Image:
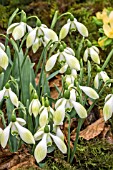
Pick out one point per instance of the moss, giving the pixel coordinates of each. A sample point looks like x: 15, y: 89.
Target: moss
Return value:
x: 95, y: 154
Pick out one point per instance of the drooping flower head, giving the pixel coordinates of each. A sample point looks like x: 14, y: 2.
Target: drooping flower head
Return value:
x: 46, y: 140
x: 40, y: 35
x: 73, y: 24
x: 16, y: 127
x: 7, y: 92
x: 65, y: 57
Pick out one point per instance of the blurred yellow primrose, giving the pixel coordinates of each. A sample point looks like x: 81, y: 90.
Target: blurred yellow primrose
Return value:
x: 73, y: 24
x: 18, y: 30
x: 94, y: 54
x: 40, y: 35
x: 66, y: 57
x: 107, y: 22
x: 3, y: 57
x: 46, y: 140
x: 16, y: 127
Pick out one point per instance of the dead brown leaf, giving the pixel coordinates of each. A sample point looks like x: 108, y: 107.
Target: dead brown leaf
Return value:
x: 92, y: 130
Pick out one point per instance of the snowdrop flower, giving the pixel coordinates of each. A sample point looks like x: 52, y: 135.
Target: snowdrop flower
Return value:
x: 108, y: 107
x: 18, y: 30
x: 3, y: 57
x: 16, y: 127
x: 94, y: 54
x: 7, y: 92
x: 40, y: 35
x: 102, y: 75
x: 73, y: 24
x: 46, y: 140
x: 70, y: 78
x: 68, y: 102
x: 34, y: 107
x: 65, y: 57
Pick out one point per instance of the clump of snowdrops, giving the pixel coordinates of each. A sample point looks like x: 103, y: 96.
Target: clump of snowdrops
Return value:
x: 31, y: 115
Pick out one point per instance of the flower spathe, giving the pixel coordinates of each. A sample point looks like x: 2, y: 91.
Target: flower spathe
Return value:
x: 67, y: 57
x: 108, y: 107
x: 73, y: 25
x: 41, y: 148
x: 17, y: 127
x: 94, y: 54
x: 9, y: 93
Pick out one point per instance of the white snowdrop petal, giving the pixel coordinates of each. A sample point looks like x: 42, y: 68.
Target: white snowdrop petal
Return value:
x: 21, y: 121
x: 25, y: 134
x: 69, y: 51
x: 11, y: 27
x: 36, y: 45
x: 89, y: 92
x: 73, y: 94
x: 31, y: 38
x: 41, y: 150
x: 5, y: 135
x: 82, y: 29
x: 59, y: 133
x: 2, y: 94
x: 64, y: 31
x: 43, y: 119
x: 59, y: 115
x: 18, y: 32
x: 94, y: 56
x: 104, y: 76
x: 96, y: 49
x: 51, y: 62
x: 59, y: 102
x: 96, y: 81
x: 81, y: 111
x: 85, y: 56
x: 38, y: 135
x: 13, y: 98
x: 2, y: 46
x: 63, y: 69
x: 34, y: 107
x: 3, y: 59
x: 59, y: 143
x: 108, y: 109
x: 74, y: 73
x: 72, y: 61
x: 50, y: 34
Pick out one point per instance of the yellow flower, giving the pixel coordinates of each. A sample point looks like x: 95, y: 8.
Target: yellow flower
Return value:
x: 101, y: 41
x: 103, y: 16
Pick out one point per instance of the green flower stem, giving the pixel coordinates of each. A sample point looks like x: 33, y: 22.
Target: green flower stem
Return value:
x: 80, y: 122
x: 69, y: 123
x: 67, y: 13
x: 107, y: 60
x: 79, y: 49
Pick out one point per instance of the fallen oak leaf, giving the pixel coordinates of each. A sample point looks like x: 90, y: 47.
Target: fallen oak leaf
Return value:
x: 92, y: 130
